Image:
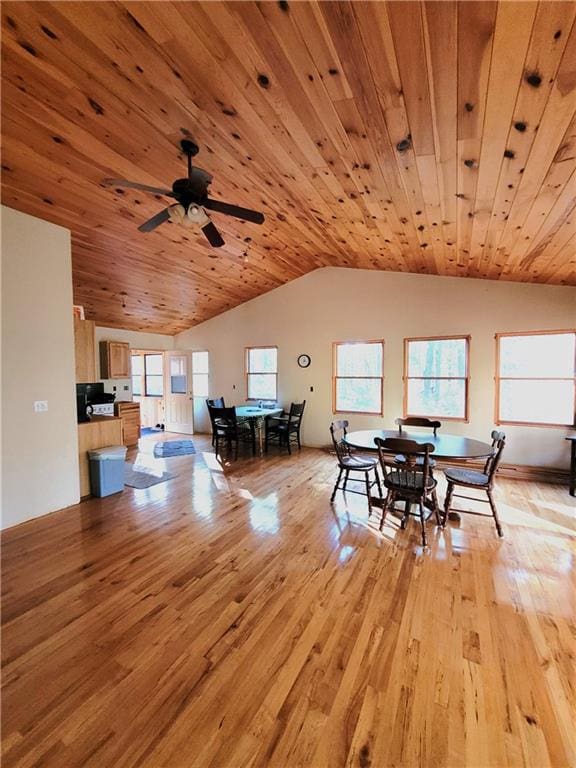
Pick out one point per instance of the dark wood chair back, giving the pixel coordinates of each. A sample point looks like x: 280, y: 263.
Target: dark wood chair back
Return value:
x: 411, y: 475
x: 498, y: 443
x: 217, y: 402
x: 224, y: 417
x: 295, y: 414
x: 338, y: 431
x: 418, y: 421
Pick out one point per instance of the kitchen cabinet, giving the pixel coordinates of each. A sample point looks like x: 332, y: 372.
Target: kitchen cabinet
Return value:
x: 99, y: 432
x: 84, y: 351
x: 114, y: 360
x: 130, y: 415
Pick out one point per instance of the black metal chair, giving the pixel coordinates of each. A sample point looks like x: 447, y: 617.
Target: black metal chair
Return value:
x: 482, y: 481
x: 410, y: 481
x: 228, y: 428
x: 351, y: 462
x: 285, y: 429
x: 217, y: 402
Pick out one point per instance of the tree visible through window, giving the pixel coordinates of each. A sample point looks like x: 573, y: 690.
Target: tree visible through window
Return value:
x: 358, y: 376
x: 262, y: 373
x: 536, y: 378
x: 436, y: 377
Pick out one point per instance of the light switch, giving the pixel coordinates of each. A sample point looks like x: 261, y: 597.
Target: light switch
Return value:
x: 40, y: 406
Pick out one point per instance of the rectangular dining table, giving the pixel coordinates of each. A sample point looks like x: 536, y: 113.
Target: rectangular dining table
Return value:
x: 258, y: 416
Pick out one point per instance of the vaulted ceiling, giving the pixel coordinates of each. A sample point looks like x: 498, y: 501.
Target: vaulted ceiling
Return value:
x: 432, y: 137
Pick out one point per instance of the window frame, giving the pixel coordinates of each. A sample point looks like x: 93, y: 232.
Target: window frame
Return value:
x: 266, y: 373
x: 497, y: 379
x: 192, y: 373
x: 158, y: 375
x: 335, y: 377
x: 405, y: 378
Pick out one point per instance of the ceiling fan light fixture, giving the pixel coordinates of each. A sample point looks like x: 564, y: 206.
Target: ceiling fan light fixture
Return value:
x: 177, y: 213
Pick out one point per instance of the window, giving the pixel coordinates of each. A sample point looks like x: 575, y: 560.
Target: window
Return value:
x: 178, y: 374
x: 262, y: 373
x: 358, y: 377
x: 200, y: 374
x: 154, y: 375
x: 137, y: 373
x: 536, y: 378
x: 436, y: 375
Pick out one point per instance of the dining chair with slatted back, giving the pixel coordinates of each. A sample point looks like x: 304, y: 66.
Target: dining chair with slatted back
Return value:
x: 418, y: 421
x: 228, y: 428
x: 348, y: 461
x: 217, y: 402
x: 482, y: 481
x: 285, y: 429
x: 410, y: 481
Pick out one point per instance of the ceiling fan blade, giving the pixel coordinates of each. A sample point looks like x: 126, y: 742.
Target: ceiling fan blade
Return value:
x: 212, y: 235
x: 155, y: 221
x: 135, y: 185
x: 234, y: 210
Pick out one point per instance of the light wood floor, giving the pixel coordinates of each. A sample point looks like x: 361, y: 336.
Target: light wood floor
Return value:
x: 232, y: 617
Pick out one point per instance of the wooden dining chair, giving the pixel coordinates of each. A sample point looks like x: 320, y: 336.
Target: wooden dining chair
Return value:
x: 352, y: 462
x: 285, y: 429
x: 217, y: 402
x: 417, y: 421
x: 482, y: 481
x: 410, y: 481
x: 228, y: 428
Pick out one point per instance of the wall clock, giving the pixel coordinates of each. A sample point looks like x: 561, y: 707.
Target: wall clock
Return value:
x: 304, y: 361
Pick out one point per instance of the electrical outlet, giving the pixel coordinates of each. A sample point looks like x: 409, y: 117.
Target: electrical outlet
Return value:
x: 114, y: 389
x: 126, y: 387
x: 233, y: 386
x: 311, y: 389
x: 40, y: 406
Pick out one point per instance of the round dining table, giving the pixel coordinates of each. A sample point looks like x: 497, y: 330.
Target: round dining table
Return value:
x: 446, y: 446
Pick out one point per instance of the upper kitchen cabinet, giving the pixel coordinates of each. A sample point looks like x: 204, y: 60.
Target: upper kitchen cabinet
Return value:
x: 114, y: 360
x: 84, y: 351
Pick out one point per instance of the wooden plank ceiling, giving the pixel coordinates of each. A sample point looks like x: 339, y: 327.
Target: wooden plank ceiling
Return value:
x: 432, y: 137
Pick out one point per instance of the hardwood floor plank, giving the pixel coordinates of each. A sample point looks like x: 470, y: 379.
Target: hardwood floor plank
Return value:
x: 233, y: 617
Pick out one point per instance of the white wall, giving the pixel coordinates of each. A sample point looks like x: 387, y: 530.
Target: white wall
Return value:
x: 137, y: 340
x: 333, y: 304
x: 39, y: 450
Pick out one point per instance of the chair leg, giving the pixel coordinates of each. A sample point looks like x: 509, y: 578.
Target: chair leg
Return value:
x: 389, y: 501
x: 298, y: 438
x: 494, y: 512
x: 346, y: 474
x: 377, y: 476
x: 447, y: 503
x: 368, y: 495
x: 288, y: 444
x: 406, y: 515
x: 422, y: 522
x: 336, y: 486
x: 435, y: 502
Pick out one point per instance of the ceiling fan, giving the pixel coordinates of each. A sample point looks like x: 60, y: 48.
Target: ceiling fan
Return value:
x: 192, y: 198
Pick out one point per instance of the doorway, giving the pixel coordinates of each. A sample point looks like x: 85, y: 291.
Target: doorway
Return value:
x: 178, y: 392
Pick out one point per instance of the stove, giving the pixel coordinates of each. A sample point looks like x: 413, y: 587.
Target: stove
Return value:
x: 102, y: 409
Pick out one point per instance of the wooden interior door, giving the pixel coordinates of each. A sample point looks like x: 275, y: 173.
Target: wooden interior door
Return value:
x: 178, y: 392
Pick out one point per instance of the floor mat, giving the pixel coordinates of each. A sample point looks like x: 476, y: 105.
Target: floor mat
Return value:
x: 173, y: 448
